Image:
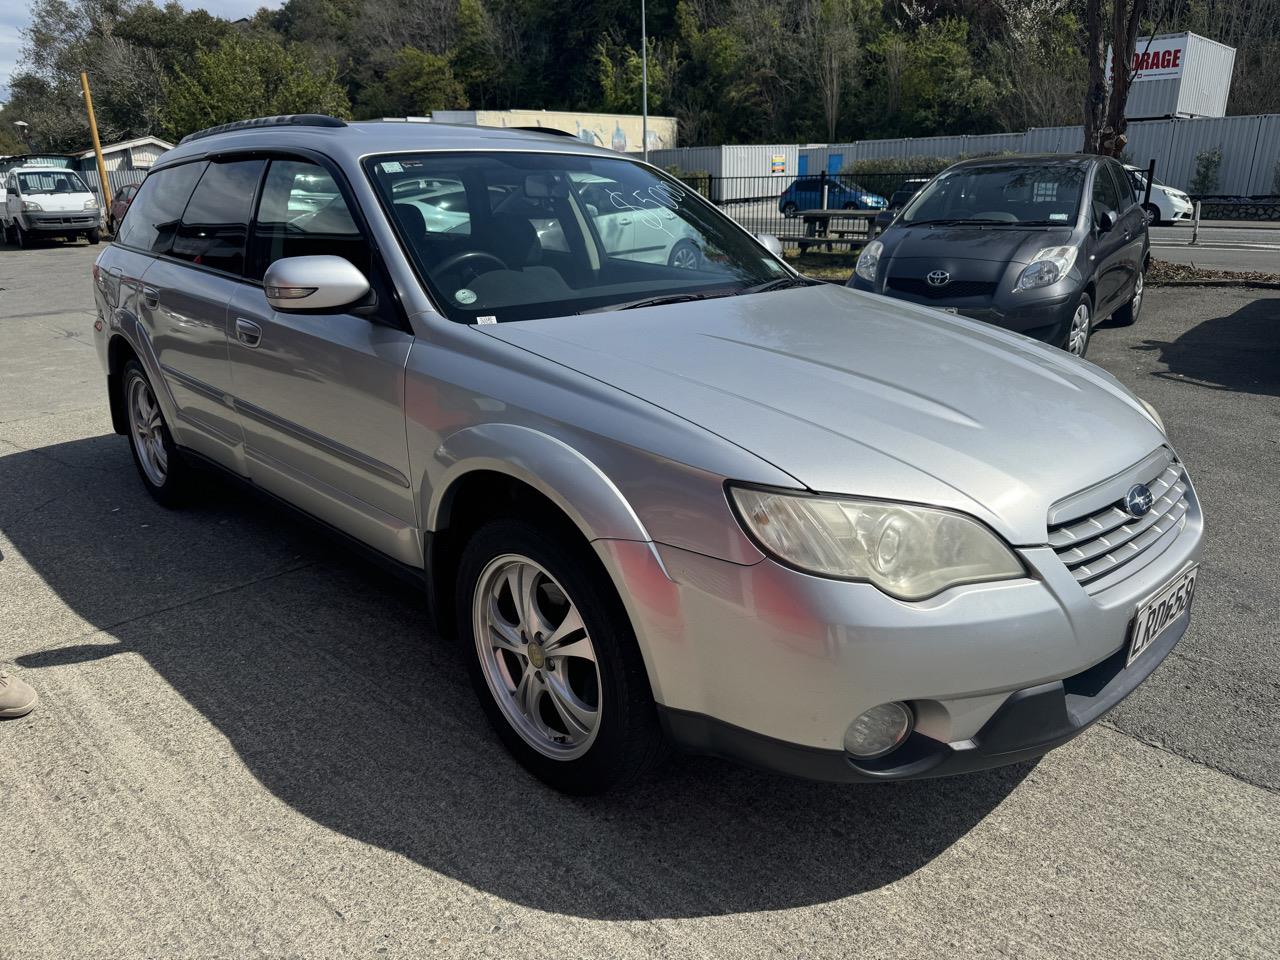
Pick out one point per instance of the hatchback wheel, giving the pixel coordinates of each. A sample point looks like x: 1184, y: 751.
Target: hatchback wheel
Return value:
x: 1078, y: 330
x: 1128, y: 314
x: 789, y: 209
x: 164, y: 472
x: 554, y: 660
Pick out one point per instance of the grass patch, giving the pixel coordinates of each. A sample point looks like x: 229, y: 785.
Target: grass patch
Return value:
x: 821, y: 266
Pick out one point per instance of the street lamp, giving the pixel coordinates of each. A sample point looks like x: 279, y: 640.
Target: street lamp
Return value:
x: 644, y: 85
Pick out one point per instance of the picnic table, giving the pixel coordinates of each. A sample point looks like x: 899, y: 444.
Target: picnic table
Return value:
x: 828, y: 227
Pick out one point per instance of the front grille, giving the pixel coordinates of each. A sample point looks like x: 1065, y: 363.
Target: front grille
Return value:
x: 1096, y: 544
x: 919, y: 287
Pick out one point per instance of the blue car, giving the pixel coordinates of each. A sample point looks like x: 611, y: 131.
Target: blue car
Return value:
x: 806, y: 194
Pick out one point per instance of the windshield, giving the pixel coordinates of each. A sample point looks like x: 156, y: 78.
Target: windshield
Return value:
x: 55, y: 181
x: 517, y: 236
x: 1008, y: 193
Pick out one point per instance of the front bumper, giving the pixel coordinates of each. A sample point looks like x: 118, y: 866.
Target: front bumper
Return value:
x: 1042, y: 317
x: 67, y: 222
x: 769, y: 666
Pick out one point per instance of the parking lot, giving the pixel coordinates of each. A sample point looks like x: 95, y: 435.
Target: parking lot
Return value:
x: 249, y: 745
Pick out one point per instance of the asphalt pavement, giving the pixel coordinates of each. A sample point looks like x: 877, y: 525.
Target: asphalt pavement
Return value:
x: 1221, y: 245
x: 248, y: 745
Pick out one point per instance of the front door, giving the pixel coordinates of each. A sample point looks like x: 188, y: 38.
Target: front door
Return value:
x: 1109, y: 245
x: 321, y: 394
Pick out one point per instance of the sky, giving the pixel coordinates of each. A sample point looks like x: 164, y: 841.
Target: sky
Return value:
x: 14, y: 15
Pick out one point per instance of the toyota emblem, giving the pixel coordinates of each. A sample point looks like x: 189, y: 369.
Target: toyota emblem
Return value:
x: 938, y: 278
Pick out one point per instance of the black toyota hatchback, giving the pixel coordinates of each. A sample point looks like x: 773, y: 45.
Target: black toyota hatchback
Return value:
x: 1048, y: 246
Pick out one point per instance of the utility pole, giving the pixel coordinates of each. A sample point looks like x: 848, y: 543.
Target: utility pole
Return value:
x: 97, y: 146
x: 644, y: 85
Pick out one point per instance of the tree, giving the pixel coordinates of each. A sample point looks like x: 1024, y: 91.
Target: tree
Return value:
x: 830, y: 43
x: 425, y: 82
x: 1104, y: 120
x: 250, y: 77
x: 476, y: 61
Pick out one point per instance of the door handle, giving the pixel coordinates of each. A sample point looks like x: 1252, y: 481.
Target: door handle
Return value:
x: 150, y: 297
x: 248, y: 332
x: 624, y: 220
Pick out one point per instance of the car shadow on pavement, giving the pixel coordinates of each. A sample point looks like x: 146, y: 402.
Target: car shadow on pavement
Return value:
x: 319, y: 672
x: 1233, y: 352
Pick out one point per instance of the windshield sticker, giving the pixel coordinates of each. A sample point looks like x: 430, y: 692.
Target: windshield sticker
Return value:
x: 465, y: 296
x: 1057, y: 216
x: 391, y: 166
x: 486, y: 320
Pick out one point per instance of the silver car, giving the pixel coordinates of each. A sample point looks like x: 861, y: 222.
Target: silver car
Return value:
x: 709, y: 504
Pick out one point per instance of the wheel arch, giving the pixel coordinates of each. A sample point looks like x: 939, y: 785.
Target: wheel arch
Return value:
x: 119, y: 352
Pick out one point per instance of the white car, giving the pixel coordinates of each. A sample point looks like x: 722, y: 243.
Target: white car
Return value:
x: 1167, y: 204
x: 48, y: 202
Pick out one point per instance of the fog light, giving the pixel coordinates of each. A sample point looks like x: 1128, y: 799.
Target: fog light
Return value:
x: 878, y: 730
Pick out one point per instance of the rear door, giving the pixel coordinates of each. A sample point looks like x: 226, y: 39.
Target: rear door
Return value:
x: 321, y: 394
x: 186, y: 293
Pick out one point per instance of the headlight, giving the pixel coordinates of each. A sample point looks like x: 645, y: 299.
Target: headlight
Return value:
x: 91, y: 204
x: 1047, y: 267
x: 869, y: 261
x: 1151, y: 411
x: 31, y: 205
x: 909, y: 552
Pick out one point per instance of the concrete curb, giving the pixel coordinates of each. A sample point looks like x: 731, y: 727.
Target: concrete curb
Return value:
x: 1254, y: 284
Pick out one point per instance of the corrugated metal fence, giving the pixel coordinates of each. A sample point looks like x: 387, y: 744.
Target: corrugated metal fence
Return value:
x: 115, y: 178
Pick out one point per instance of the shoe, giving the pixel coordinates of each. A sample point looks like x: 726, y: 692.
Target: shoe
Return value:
x: 17, y: 697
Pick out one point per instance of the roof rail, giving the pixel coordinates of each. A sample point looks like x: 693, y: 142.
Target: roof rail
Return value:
x: 552, y: 131
x: 285, y: 120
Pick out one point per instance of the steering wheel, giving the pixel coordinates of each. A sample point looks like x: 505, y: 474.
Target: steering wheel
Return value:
x: 448, y: 263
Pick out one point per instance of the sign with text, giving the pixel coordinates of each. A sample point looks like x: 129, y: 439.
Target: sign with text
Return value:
x: 1160, y: 58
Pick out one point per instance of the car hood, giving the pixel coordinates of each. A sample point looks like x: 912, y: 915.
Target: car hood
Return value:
x: 854, y: 393
x: 998, y: 244
x: 60, y: 202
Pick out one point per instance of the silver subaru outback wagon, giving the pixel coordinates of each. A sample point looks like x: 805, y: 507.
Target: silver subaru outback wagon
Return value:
x: 664, y: 490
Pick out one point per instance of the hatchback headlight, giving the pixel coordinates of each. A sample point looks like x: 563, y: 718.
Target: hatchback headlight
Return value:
x: 908, y: 551
x: 1047, y: 267
x: 31, y: 205
x: 869, y: 261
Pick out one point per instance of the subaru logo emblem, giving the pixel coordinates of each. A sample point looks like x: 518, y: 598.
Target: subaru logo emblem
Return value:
x: 938, y: 278
x: 1138, y: 500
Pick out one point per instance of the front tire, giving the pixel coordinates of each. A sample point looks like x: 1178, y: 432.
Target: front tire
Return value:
x: 1076, y: 339
x: 1128, y: 314
x: 789, y: 209
x: 94, y: 237
x: 553, y: 658
x: 1153, y: 212
x: 164, y: 472
x: 21, y: 238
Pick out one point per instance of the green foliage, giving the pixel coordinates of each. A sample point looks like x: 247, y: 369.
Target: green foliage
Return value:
x: 422, y: 82
x: 1208, y: 165
x: 250, y: 77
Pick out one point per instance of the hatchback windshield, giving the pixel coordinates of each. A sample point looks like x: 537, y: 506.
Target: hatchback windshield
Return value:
x: 55, y: 181
x: 1005, y: 193
x: 518, y: 236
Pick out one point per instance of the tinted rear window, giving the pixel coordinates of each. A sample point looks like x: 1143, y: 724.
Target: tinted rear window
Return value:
x: 215, y: 225
x: 153, y: 217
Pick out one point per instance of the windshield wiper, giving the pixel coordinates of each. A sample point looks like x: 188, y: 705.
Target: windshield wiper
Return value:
x: 652, y: 302
x: 952, y: 221
x: 779, y: 283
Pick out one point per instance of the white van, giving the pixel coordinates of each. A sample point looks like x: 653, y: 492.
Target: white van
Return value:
x: 48, y: 202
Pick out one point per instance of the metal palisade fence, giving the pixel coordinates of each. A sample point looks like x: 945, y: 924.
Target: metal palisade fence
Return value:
x: 829, y: 209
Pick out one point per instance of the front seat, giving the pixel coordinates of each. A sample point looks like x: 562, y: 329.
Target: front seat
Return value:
x: 514, y: 240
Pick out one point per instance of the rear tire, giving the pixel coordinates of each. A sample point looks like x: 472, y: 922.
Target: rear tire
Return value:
x: 582, y: 721
x: 1128, y: 314
x: 164, y: 471
x: 1076, y: 338
x: 685, y: 255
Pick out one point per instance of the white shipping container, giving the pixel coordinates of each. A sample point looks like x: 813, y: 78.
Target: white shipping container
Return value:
x: 1178, y: 75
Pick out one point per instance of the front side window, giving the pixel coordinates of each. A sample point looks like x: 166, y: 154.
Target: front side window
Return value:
x: 215, y: 225
x: 303, y: 214
x: 516, y: 236
x: 1022, y: 193
x: 1105, y: 197
x: 152, y: 220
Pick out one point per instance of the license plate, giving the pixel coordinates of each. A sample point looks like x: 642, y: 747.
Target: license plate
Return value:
x: 1161, y: 612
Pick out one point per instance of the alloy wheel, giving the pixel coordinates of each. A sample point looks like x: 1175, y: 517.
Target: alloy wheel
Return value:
x: 1136, y: 304
x: 146, y: 427
x: 685, y: 258
x: 537, y: 657
x: 1078, y: 336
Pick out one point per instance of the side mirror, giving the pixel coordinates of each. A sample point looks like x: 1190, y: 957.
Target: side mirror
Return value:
x: 1106, y: 221
x: 770, y: 243
x: 313, y: 283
